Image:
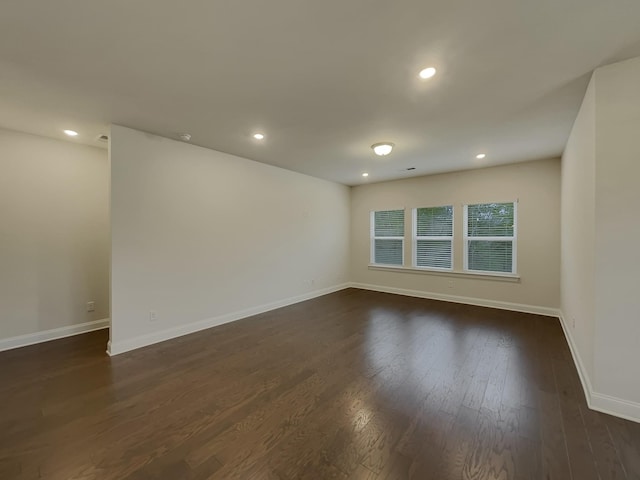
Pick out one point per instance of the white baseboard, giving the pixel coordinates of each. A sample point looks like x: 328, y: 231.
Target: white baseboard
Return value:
x: 516, y: 307
x: 582, y: 371
x: 116, y: 348
x: 615, y: 406
x: 599, y: 402
x: 55, y: 334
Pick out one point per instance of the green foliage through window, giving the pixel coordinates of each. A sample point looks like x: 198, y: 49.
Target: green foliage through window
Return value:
x: 490, y: 220
x: 435, y: 222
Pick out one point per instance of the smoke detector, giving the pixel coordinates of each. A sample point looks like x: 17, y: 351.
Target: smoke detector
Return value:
x: 185, y: 137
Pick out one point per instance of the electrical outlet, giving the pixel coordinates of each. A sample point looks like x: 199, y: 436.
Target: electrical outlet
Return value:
x: 91, y: 306
x: 153, y: 316
x: 450, y: 283
x: 573, y: 322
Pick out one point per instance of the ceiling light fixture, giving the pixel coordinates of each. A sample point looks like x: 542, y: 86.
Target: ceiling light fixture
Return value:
x: 480, y: 156
x: 365, y: 174
x: 185, y: 137
x: 258, y: 136
x: 427, y: 73
x: 71, y: 133
x: 383, y: 148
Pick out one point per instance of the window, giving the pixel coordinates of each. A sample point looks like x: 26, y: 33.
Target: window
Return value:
x: 433, y: 237
x: 490, y: 237
x: 387, y: 237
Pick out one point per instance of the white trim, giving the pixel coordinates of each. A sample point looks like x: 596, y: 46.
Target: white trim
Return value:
x: 599, y: 402
x: 500, y: 277
x: 615, y: 406
x: 54, y: 334
x: 516, y: 307
x: 116, y: 348
x: 582, y: 371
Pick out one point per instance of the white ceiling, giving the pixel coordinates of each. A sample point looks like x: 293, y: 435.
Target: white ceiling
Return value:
x: 322, y: 79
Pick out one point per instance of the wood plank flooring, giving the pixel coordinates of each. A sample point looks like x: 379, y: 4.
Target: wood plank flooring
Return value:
x: 353, y: 385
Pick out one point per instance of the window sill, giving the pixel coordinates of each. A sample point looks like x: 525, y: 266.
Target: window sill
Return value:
x: 498, y: 277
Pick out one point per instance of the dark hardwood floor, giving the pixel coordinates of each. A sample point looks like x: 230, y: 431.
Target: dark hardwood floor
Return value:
x: 356, y: 384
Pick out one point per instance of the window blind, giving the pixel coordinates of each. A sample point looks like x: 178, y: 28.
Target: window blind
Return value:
x: 388, y: 237
x: 490, y: 235
x: 433, y: 234
x: 490, y: 256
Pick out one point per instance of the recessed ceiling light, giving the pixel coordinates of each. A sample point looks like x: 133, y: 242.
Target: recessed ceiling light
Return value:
x: 427, y: 73
x: 480, y: 156
x: 383, y: 148
x: 365, y: 174
x: 258, y: 136
x: 71, y: 133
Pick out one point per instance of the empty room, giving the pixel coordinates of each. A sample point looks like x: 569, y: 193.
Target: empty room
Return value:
x: 319, y: 240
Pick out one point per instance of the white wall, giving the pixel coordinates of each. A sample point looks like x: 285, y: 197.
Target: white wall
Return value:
x: 199, y: 236
x: 54, y: 234
x: 600, y: 255
x: 579, y: 229
x: 618, y: 230
x: 537, y: 187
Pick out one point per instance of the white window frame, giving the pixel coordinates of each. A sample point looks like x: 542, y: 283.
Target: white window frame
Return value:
x: 513, y: 239
x: 414, y: 244
x: 372, y: 230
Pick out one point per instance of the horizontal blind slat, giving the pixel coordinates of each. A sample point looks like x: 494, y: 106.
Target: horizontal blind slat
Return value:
x: 433, y: 253
x: 490, y: 220
x: 388, y: 251
x: 490, y: 237
x: 490, y: 256
x: 434, y: 221
x: 389, y: 223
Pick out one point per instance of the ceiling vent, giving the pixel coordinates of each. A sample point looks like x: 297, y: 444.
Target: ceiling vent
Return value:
x: 103, y: 138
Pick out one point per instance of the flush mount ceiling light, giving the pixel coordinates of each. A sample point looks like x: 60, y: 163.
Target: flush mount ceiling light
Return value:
x: 427, y: 73
x: 71, y: 133
x: 185, y: 137
x: 480, y: 156
x: 258, y: 136
x: 365, y: 174
x: 383, y: 148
